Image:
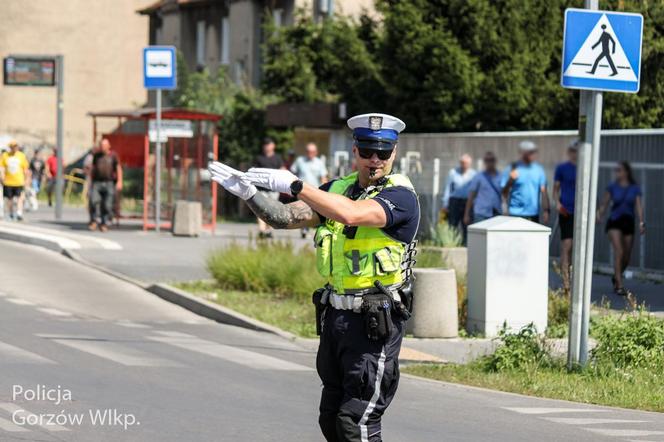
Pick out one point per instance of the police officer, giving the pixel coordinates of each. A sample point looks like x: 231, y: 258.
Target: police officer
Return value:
x: 365, y: 247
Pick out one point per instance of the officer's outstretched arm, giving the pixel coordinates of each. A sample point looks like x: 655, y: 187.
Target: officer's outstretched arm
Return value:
x: 283, y: 216
x: 366, y: 213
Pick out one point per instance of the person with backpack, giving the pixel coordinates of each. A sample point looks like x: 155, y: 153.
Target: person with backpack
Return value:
x: 485, y: 196
x: 624, y: 194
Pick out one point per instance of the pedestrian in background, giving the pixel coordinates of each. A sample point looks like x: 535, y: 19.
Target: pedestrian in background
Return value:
x: 105, y: 174
x: 624, y: 194
x: 311, y: 169
x: 484, y: 195
x: 268, y: 159
x: 524, y: 186
x: 564, y: 192
x: 455, y: 195
x: 51, y: 175
x: 37, y: 168
x: 15, y: 174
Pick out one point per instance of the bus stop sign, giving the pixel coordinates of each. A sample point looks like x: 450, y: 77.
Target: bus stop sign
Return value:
x: 602, y: 50
x: 159, y: 67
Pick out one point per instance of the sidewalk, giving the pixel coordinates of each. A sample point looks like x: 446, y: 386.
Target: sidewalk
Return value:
x: 151, y: 258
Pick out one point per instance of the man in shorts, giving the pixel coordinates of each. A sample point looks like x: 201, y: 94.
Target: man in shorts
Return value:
x: 15, y: 173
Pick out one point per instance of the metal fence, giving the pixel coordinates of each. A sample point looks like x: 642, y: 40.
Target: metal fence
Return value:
x: 427, y: 159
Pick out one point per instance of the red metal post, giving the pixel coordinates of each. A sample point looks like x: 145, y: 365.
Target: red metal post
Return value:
x: 146, y: 180
x: 215, y: 149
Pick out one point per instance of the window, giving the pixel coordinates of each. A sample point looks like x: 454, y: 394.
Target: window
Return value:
x: 278, y: 15
x: 200, y: 42
x: 225, y: 56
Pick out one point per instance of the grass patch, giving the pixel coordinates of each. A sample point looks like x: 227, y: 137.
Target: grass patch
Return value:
x: 639, y: 389
x: 291, y: 314
x: 625, y: 368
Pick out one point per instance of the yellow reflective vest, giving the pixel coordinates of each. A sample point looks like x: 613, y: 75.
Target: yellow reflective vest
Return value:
x: 351, y: 263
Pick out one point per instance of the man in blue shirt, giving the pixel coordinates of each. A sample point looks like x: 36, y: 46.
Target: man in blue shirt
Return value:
x: 456, y: 193
x: 484, y: 197
x: 564, y: 192
x: 524, y: 186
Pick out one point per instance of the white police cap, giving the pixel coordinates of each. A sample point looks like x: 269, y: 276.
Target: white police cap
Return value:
x: 377, y: 131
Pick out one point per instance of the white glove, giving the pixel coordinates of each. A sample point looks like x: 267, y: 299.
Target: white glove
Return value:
x: 277, y: 180
x: 232, y: 180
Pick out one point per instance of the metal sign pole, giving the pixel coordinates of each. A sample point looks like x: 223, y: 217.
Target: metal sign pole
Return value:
x: 590, y: 123
x: 594, y: 135
x: 157, y: 167
x: 59, y: 177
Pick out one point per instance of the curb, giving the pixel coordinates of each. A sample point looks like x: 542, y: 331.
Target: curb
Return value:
x: 214, y: 311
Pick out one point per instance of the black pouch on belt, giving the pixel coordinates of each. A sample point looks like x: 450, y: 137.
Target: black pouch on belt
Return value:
x: 317, y: 299
x: 377, y: 315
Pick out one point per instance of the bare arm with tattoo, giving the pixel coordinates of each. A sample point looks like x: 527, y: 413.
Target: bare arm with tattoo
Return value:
x: 283, y: 216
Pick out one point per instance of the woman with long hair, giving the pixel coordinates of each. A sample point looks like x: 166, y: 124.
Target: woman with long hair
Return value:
x: 624, y: 194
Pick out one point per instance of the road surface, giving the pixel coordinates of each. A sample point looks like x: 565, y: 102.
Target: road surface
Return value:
x: 175, y: 376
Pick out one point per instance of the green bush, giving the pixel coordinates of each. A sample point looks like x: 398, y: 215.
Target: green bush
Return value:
x: 273, y: 267
x: 633, y: 340
x: 517, y: 350
x: 558, y: 313
x: 445, y: 236
x: 428, y: 258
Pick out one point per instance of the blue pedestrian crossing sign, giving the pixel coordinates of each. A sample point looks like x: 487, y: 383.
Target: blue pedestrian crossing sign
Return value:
x: 159, y: 67
x: 602, y: 50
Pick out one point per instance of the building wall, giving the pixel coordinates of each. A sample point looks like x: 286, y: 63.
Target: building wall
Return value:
x: 101, y: 41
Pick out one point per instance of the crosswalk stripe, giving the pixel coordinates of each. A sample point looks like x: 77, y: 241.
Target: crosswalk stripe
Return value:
x: 54, y: 311
x: 19, y: 301
x: 7, y: 425
x: 590, y: 421
x: 131, y: 324
x: 11, y: 354
x: 111, y: 350
x: 550, y: 410
x: 12, y: 408
x: 624, y: 433
x: 232, y: 354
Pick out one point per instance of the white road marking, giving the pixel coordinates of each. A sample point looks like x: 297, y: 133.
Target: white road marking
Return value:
x: 175, y: 334
x: 232, y: 354
x: 590, y: 421
x: 12, y: 408
x: 9, y: 426
x: 131, y: 324
x: 545, y: 410
x: 624, y: 433
x: 112, y: 351
x: 19, y: 301
x: 11, y: 354
x: 54, y: 311
x: 63, y: 242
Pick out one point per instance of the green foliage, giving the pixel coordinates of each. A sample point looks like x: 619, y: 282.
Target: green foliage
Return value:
x: 629, y: 341
x: 428, y: 258
x: 455, y: 65
x: 558, y: 313
x: 517, y: 350
x: 242, y: 127
x: 272, y: 267
x: 445, y: 236
x: 323, y: 61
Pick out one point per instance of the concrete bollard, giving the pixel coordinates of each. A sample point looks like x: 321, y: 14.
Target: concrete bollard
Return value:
x: 187, y: 219
x: 435, y: 304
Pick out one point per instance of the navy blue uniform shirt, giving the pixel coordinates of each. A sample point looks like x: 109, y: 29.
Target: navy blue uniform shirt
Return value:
x: 402, y: 210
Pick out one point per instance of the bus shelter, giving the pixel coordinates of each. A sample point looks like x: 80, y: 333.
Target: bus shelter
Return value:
x: 189, y: 141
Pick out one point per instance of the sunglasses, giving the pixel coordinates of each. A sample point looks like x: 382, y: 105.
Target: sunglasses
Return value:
x: 367, y: 153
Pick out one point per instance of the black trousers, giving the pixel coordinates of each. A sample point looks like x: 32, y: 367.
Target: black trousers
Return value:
x: 360, y: 377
